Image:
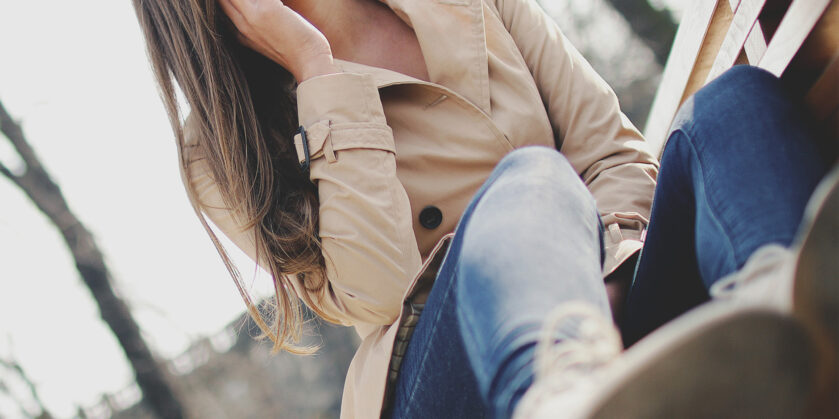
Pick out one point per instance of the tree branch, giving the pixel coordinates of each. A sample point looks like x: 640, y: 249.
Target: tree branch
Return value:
x: 7, y: 173
x: 37, y: 184
x: 6, y: 121
x: 14, y: 133
x: 15, y: 366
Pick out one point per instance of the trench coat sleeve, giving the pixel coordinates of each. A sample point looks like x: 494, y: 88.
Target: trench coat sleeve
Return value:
x: 365, y: 219
x: 601, y: 144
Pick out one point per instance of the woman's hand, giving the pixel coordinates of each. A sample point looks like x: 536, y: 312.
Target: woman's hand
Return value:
x: 281, y: 34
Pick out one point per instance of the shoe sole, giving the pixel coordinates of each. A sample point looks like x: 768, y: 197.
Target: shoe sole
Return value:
x: 816, y: 290
x: 713, y: 362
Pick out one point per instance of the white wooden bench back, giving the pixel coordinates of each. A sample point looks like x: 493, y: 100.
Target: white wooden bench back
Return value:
x: 716, y: 34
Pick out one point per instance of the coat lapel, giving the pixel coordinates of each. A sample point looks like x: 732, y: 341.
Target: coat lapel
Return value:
x: 453, y: 43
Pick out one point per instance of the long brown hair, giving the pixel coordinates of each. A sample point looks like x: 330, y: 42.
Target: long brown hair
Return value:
x: 243, y: 111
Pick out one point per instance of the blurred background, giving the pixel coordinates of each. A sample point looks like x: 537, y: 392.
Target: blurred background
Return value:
x: 77, y: 318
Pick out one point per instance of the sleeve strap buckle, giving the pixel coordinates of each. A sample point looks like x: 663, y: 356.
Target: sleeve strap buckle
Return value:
x: 304, y: 165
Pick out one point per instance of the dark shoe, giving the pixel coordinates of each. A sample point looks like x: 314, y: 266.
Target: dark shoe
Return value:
x: 802, y: 281
x: 816, y: 290
x: 713, y: 362
x: 741, y: 356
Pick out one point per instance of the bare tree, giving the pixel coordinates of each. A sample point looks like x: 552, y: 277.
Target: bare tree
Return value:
x: 36, y: 183
x: 12, y: 365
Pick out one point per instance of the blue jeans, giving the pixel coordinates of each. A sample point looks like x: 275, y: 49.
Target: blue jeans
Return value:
x: 736, y: 174
x: 529, y: 240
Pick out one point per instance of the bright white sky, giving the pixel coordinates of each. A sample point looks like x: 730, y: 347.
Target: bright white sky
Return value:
x: 76, y: 75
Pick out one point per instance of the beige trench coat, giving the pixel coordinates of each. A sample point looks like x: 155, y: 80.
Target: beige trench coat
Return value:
x: 385, y: 146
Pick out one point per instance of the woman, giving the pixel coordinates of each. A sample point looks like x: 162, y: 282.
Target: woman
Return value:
x: 405, y: 109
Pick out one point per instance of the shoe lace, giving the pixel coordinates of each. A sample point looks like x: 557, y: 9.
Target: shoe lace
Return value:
x: 563, y: 354
x: 575, y: 341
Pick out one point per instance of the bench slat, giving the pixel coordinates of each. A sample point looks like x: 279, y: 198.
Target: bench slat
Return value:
x: 756, y: 42
x: 799, y: 20
x: 744, y: 20
x: 683, y: 56
x: 714, y: 32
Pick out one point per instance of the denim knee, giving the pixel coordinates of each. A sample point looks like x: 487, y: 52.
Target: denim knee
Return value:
x: 535, y: 163
x: 741, y: 95
x: 742, y: 80
x: 726, y: 112
x: 537, y: 167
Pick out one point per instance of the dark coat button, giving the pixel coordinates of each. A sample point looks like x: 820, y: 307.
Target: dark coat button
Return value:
x: 430, y: 217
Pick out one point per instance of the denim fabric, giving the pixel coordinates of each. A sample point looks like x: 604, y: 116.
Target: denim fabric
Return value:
x: 528, y: 241
x: 736, y: 174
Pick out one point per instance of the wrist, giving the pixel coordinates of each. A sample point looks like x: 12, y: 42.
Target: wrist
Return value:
x: 320, y: 66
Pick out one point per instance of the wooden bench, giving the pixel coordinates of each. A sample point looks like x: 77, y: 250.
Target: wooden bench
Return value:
x: 797, y: 40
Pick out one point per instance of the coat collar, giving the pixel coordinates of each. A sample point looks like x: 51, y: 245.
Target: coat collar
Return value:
x: 451, y: 36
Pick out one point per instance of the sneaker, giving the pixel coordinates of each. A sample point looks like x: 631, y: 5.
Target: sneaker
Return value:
x: 802, y: 281
x: 765, y: 280
x: 741, y: 356
x: 816, y: 290
x: 568, y: 370
x: 713, y: 362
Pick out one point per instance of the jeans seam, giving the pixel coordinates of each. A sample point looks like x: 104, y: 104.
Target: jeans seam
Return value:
x: 468, y: 334
x: 425, y: 353
x: 709, y: 198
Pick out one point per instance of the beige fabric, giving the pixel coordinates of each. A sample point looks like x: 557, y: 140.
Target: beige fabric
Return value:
x: 384, y: 146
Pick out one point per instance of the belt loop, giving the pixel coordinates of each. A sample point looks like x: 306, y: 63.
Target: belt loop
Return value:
x: 304, y: 166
